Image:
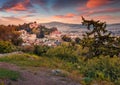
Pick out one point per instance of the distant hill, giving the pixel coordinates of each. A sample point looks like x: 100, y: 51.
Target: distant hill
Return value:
x: 114, y: 28
x: 63, y: 26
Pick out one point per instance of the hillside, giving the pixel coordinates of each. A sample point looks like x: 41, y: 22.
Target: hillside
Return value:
x: 115, y: 28
x: 63, y: 26
x: 30, y: 75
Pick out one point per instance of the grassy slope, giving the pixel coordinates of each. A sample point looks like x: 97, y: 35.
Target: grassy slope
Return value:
x: 75, y: 71
x: 28, y: 60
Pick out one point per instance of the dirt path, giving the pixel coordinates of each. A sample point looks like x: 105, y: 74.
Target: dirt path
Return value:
x: 36, y: 77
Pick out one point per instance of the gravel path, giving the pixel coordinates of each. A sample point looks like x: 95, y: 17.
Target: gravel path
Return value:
x: 36, y: 77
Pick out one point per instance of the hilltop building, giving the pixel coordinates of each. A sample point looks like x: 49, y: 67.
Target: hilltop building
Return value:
x: 33, y: 25
x: 55, y: 34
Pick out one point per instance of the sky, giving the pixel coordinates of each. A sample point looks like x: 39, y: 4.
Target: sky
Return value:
x: 67, y: 11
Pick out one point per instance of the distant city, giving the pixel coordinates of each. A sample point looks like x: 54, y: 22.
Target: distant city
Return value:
x: 78, y: 28
x: 54, y: 38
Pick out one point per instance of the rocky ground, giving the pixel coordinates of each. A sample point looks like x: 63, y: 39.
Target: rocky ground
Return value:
x: 36, y: 76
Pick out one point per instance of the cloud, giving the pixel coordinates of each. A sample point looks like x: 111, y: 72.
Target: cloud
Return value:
x: 41, y: 3
x: 81, y: 8
x: 97, y: 3
x: 16, y: 5
x: 26, y: 16
x: 109, y: 10
x: 2, y: 22
x: 103, y: 17
x: 93, y: 5
x: 107, y: 18
x: 12, y: 20
x: 69, y: 15
x: 67, y: 18
x: 100, y: 11
x: 63, y: 4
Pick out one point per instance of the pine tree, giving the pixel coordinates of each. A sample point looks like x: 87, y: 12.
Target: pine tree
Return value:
x: 98, y: 39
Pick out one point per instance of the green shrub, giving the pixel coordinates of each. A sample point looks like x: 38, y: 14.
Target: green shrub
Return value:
x: 103, y: 68
x: 87, y: 80
x: 117, y: 82
x: 9, y: 74
x: 6, y: 47
x: 63, y: 52
x: 40, y: 50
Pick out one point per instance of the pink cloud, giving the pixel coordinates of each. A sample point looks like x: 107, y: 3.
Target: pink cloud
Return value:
x: 16, y: 6
x: 100, y: 11
x: 12, y: 20
x: 96, y: 3
x: 107, y: 18
x: 81, y: 8
x: 69, y: 15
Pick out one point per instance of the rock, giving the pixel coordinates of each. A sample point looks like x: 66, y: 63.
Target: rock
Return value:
x: 57, y: 72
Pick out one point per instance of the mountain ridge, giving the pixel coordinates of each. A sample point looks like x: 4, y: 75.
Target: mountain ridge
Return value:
x: 62, y: 26
x: 76, y: 27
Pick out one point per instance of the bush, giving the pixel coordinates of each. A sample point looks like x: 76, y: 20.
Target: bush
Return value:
x: 27, y: 49
x: 66, y: 38
x: 63, y: 52
x: 103, y: 68
x: 6, y: 47
x: 40, y: 50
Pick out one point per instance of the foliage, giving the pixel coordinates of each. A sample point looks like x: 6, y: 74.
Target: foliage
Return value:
x: 9, y: 74
x: 6, y: 47
x: 102, y: 68
x: 10, y: 33
x: 77, y: 40
x: 87, y: 80
x: 27, y: 49
x: 47, y: 31
x: 99, y: 40
x: 64, y: 52
x: 17, y: 42
x: 66, y: 38
x: 96, y: 69
x: 36, y: 61
x: 40, y: 50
